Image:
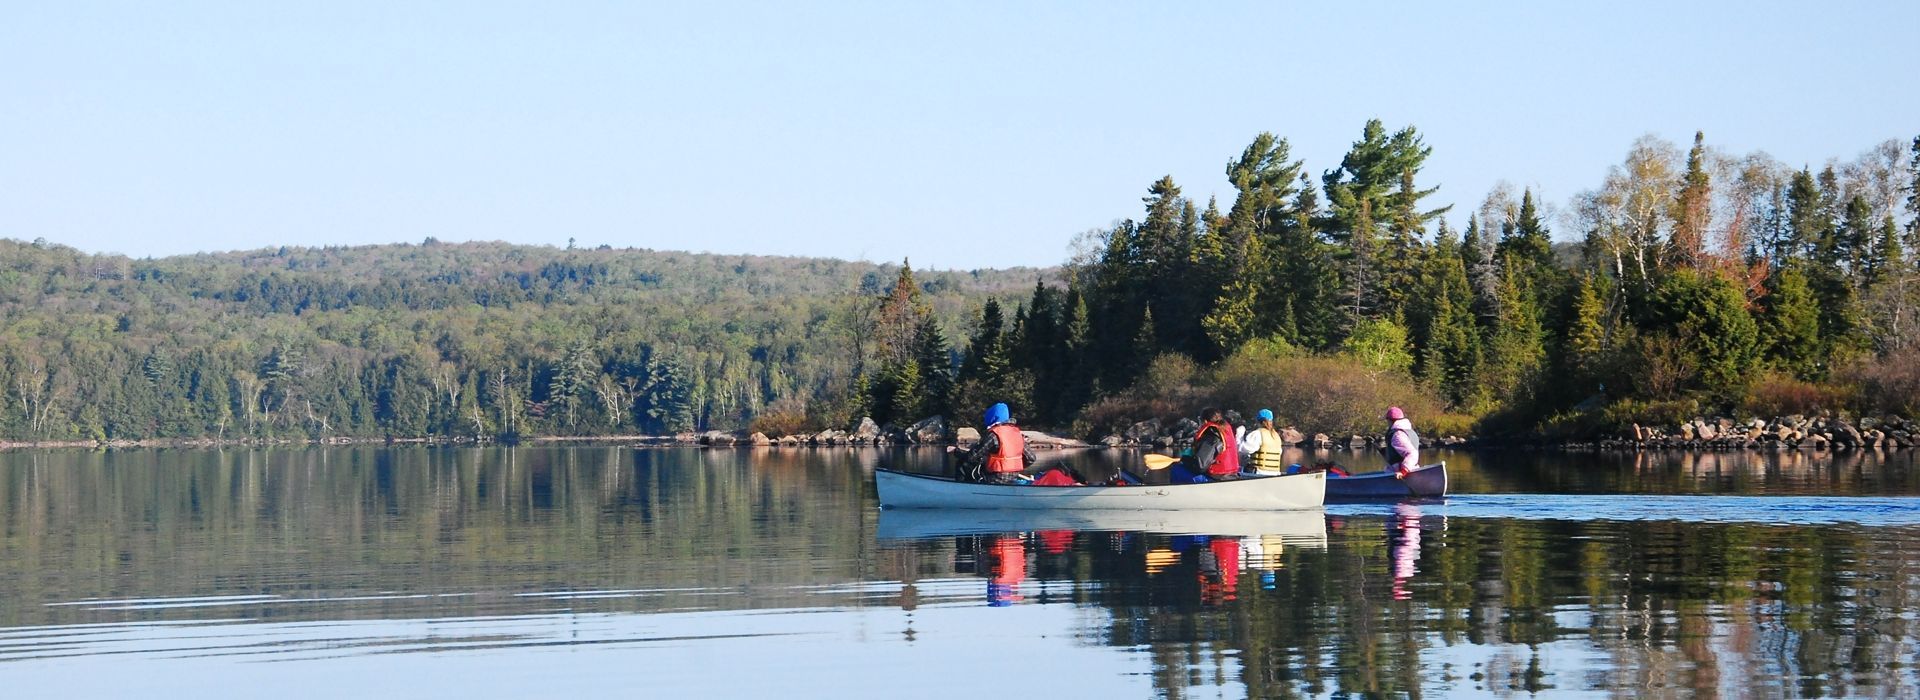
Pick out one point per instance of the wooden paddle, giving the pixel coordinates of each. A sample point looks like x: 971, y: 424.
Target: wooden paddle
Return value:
x: 1159, y: 462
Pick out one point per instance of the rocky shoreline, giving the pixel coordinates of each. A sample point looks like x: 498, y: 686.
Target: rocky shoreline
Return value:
x: 1795, y: 432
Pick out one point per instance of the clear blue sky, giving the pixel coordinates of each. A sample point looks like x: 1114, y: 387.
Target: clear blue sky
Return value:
x: 961, y: 134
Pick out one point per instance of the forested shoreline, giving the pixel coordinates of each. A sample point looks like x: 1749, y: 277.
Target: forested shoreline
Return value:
x: 1688, y: 282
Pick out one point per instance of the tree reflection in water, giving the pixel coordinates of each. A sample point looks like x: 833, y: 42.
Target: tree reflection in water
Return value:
x: 1399, y: 599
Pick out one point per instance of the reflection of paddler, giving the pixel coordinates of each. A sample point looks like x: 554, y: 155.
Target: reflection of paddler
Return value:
x: 1406, y: 548
x: 1159, y: 558
x: 1008, y: 558
x: 1219, y: 570
x: 1264, y: 554
x: 1055, y: 541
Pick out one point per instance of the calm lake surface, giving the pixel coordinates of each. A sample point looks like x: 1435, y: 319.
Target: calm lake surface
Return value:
x: 556, y: 571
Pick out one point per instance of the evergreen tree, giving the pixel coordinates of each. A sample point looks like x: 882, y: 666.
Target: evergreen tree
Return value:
x: 933, y: 362
x: 1708, y: 315
x: 1449, y: 357
x: 1692, y: 209
x: 1516, y: 344
x: 1585, y: 344
x: 1528, y: 241
x: 1375, y: 180
x: 1790, y: 324
x: 1305, y: 283
x: 1076, y: 384
x: 1806, y: 224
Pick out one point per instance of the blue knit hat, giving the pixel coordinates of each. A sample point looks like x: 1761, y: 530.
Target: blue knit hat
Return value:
x: 996, y: 413
x: 1264, y: 414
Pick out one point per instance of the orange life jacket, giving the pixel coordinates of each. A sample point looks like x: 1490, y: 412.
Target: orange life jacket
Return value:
x: 1228, y: 460
x: 1011, y: 457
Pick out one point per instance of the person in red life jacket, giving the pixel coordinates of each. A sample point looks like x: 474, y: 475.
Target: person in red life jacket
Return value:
x: 1002, y: 453
x: 1214, y: 452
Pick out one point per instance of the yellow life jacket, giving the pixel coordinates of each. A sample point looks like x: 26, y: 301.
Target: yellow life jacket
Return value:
x: 1266, y: 458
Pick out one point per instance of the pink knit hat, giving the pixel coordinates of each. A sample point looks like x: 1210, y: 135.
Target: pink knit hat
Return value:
x: 1394, y: 413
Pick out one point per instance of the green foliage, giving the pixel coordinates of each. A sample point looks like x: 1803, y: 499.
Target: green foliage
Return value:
x: 1380, y: 344
x: 1338, y: 395
x: 438, y: 340
x: 1707, y: 316
x: 1790, y: 325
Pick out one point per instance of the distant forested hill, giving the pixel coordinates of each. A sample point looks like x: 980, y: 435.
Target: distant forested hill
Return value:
x: 438, y: 339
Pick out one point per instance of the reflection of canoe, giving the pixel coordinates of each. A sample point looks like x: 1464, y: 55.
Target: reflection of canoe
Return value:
x: 1300, y: 526
x: 1426, y: 482
x: 902, y: 490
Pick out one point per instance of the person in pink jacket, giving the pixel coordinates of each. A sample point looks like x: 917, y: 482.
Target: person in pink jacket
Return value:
x: 1403, y: 444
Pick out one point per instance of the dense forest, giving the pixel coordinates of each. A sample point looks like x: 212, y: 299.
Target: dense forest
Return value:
x: 437, y: 339
x: 1689, y: 281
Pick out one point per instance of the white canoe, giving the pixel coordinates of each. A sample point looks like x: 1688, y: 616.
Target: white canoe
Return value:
x: 903, y: 490
x: 1305, y: 527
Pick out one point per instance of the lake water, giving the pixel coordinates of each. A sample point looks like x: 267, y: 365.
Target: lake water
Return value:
x: 555, y: 571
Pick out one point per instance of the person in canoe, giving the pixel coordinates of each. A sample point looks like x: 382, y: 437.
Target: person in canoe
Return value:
x: 1403, y: 444
x: 1002, y: 453
x: 1214, y: 454
x: 1262, y: 445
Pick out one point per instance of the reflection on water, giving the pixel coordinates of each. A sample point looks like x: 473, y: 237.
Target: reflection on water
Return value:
x: 541, y: 571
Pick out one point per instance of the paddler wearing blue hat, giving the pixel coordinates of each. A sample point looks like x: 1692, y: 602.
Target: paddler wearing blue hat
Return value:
x: 1262, y: 446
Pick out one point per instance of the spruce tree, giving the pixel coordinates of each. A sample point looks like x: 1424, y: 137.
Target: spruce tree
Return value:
x: 1076, y: 384
x: 1790, y: 324
x: 1585, y: 343
x: 934, y: 365
x: 1692, y: 209
x: 1305, y: 284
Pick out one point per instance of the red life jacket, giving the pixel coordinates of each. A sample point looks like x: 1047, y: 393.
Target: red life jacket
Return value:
x: 1011, y: 457
x: 1228, y: 461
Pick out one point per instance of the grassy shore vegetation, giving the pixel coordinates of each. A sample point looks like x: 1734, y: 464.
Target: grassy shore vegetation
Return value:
x: 1687, y: 282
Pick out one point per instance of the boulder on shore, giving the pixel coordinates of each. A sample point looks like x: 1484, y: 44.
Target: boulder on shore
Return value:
x: 1142, y: 432
x: 930, y: 430
x: 1291, y: 436
x: 966, y: 436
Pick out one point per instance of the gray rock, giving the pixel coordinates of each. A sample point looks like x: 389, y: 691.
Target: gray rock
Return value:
x: 1321, y: 441
x: 966, y: 436
x: 1357, y: 442
x: 1142, y: 432
x: 1291, y: 436
x: 929, y: 431
x: 1112, y: 441
x: 867, y: 429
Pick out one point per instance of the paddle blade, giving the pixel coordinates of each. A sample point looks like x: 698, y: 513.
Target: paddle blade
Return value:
x: 1158, y: 462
